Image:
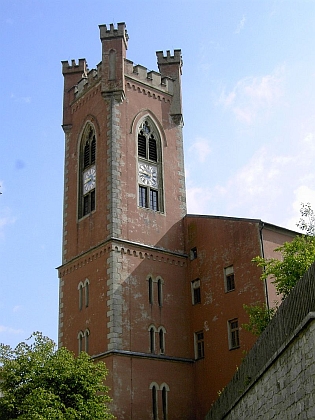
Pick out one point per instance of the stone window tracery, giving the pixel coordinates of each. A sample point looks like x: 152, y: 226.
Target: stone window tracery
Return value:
x: 87, y: 164
x: 149, y: 167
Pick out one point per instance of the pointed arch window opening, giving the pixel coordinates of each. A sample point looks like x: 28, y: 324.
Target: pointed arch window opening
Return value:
x: 152, y: 340
x: 84, y: 295
x: 164, y: 403
x: 80, y: 341
x: 87, y: 184
x: 161, y: 341
x: 154, y: 404
x: 160, y: 292
x: 149, y: 167
x: 150, y: 291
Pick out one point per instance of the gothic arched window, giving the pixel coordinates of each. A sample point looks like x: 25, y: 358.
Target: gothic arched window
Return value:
x: 150, y: 167
x: 150, y: 290
x: 154, y: 388
x: 165, y: 390
x: 87, y: 172
x: 162, y: 331
x: 152, y: 331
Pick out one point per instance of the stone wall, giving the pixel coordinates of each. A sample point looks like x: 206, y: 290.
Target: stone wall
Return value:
x: 276, y: 379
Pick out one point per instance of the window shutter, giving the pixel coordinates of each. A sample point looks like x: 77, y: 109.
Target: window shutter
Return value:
x: 142, y: 146
x: 152, y: 149
x: 93, y: 150
x: 86, y: 155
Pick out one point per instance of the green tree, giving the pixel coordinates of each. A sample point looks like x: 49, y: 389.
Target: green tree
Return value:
x: 285, y: 272
x: 307, y: 221
x: 39, y: 382
x: 259, y: 317
x: 296, y: 257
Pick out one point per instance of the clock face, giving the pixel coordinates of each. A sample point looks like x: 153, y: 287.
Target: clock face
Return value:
x: 148, y: 175
x: 89, y: 179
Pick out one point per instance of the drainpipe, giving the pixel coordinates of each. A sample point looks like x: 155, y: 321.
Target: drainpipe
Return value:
x: 261, y: 227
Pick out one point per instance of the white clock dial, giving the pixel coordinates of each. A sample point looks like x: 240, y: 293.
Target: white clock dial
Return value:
x: 147, y: 175
x: 89, y: 179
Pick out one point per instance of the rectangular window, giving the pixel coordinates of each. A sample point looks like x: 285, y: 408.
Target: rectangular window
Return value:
x: 154, y: 203
x: 92, y: 200
x: 234, y: 337
x: 89, y: 203
x: 86, y: 205
x: 195, y: 291
x: 153, y: 195
x: 229, y: 279
x: 193, y: 254
x: 142, y: 196
x: 199, y: 345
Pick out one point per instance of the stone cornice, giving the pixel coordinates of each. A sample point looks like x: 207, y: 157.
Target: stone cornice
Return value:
x: 125, y: 248
x: 147, y: 90
x: 159, y: 357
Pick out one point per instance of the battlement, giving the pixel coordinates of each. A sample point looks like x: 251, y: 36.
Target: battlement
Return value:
x: 87, y: 82
x: 81, y: 67
x: 120, y: 32
x: 115, y: 68
x: 150, y: 78
x: 169, y: 59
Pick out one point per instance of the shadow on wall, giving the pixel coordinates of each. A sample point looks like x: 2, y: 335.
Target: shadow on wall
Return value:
x: 282, y: 352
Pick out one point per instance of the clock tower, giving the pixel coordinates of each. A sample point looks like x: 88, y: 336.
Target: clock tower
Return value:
x: 122, y: 278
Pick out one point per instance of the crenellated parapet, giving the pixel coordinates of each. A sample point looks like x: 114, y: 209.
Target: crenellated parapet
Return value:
x: 169, y: 59
x: 111, y: 32
x: 114, y: 46
x: 171, y: 66
x: 84, y: 84
x: 72, y: 73
x: 150, y: 78
x: 74, y: 68
x: 115, y: 71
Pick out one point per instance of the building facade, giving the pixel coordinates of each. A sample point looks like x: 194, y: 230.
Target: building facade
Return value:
x: 153, y: 292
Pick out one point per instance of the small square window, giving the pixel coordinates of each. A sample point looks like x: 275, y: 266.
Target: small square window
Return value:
x: 234, y: 337
x: 196, y: 292
x: 199, y: 345
x: 229, y: 279
x: 193, y: 254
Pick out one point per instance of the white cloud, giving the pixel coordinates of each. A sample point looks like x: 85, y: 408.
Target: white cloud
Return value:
x: 201, y: 149
x: 302, y: 195
x: 17, y: 308
x: 197, y: 199
x: 5, y: 219
x: 240, y: 26
x: 271, y: 186
x: 253, y: 95
x: 9, y: 330
x: 21, y: 99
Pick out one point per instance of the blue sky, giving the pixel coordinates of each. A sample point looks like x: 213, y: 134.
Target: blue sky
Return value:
x: 249, y: 107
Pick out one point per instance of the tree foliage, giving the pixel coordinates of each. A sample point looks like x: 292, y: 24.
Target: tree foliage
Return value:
x: 39, y: 382
x: 295, y: 258
x: 307, y: 220
x: 259, y: 317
